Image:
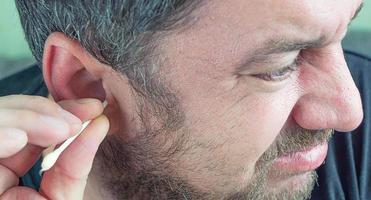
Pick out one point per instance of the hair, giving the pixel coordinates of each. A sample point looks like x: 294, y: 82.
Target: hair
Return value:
x: 123, y: 34
x: 120, y: 33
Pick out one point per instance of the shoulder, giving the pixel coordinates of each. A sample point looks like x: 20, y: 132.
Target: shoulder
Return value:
x: 353, y: 56
x: 360, y: 67
x: 29, y: 81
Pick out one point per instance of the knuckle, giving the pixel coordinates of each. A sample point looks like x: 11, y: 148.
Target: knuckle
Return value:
x: 43, y: 105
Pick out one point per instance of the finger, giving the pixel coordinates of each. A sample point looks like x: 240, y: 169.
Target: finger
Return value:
x: 21, y: 193
x: 67, y: 179
x: 84, y: 109
x: 41, y: 130
x: 7, y: 179
x: 38, y: 104
x: 25, y: 159
x: 46, y: 106
x: 21, y: 162
x: 11, y: 141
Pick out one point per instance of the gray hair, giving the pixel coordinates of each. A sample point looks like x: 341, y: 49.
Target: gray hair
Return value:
x: 123, y: 34
x: 120, y: 33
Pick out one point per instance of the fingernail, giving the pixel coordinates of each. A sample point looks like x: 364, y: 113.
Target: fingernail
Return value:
x: 87, y: 101
x: 69, y: 117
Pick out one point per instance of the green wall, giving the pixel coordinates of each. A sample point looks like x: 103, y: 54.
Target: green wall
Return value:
x: 13, y: 45
x: 12, y: 42
x: 363, y: 21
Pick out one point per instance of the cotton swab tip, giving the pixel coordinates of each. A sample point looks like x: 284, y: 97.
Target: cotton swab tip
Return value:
x: 50, y: 159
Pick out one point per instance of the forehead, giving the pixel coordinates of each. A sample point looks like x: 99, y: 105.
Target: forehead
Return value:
x: 227, y: 32
x: 309, y: 16
x: 251, y: 21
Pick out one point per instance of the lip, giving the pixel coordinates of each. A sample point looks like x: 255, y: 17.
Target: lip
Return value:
x: 302, y: 161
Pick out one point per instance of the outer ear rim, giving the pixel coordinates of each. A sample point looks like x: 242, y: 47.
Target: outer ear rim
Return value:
x: 53, y: 40
x: 60, y: 40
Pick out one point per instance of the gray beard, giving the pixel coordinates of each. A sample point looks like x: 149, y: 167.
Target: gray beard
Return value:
x: 135, y: 171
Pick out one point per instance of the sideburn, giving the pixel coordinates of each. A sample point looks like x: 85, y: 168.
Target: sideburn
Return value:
x: 142, y: 168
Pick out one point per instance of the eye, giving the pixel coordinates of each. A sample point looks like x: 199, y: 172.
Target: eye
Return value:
x: 279, y: 75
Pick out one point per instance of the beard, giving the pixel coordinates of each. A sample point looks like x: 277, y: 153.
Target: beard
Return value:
x: 145, y: 167
x: 289, y: 141
x: 138, y: 170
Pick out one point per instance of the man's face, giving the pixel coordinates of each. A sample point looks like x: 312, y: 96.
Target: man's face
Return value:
x: 261, y: 85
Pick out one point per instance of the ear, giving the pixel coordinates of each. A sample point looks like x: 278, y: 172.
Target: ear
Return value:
x: 70, y: 72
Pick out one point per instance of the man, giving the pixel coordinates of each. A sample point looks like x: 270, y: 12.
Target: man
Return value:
x: 206, y: 99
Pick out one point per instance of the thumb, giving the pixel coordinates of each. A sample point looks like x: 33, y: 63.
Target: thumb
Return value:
x: 67, y: 179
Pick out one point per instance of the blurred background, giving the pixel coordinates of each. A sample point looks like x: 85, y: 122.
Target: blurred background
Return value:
x: 15, y: 54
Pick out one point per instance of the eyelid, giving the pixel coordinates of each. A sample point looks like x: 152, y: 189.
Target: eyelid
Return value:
x: 292, y: 64
x: 289, y: 69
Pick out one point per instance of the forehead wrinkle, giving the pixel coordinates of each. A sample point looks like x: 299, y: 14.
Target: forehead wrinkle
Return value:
x: 284, y: 45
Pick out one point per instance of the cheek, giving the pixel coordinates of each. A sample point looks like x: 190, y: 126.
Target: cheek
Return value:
x: 270, y: 115
x: 234, y: 130
x: 228, y: 138
x: 256, y: 123
x: 231, y: 125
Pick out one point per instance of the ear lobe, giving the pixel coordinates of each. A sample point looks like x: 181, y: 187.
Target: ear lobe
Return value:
x: 68, y: 72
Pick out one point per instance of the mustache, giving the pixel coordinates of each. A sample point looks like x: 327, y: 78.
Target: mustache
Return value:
x: 295, y: 139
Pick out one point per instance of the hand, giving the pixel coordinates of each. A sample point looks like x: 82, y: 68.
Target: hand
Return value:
x: 28, y: 124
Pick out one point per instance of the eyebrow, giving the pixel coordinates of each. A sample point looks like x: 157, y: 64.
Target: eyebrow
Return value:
x: 282, y: 45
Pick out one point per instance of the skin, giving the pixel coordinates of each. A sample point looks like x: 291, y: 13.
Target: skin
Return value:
x: 233, y: 117
x: 221, y: 106
x: 25, y: 135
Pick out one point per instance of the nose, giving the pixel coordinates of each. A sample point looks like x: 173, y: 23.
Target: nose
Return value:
x: 330, y: 98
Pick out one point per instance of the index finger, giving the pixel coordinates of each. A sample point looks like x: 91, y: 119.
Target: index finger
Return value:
x: 38, y: 104
x: 67, y: 179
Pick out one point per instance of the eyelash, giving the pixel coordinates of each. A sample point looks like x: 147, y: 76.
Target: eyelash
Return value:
x: 279, y: 75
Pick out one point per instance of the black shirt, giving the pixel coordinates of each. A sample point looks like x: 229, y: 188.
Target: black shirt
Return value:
x: 346, y: 173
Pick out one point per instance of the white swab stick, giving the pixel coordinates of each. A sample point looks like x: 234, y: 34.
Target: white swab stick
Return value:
x: 50, y: 159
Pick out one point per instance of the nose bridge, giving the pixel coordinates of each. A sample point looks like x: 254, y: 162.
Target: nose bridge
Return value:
x: 331, y: 99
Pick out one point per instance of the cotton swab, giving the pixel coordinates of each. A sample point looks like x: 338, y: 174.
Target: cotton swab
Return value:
x: 51, y: 158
